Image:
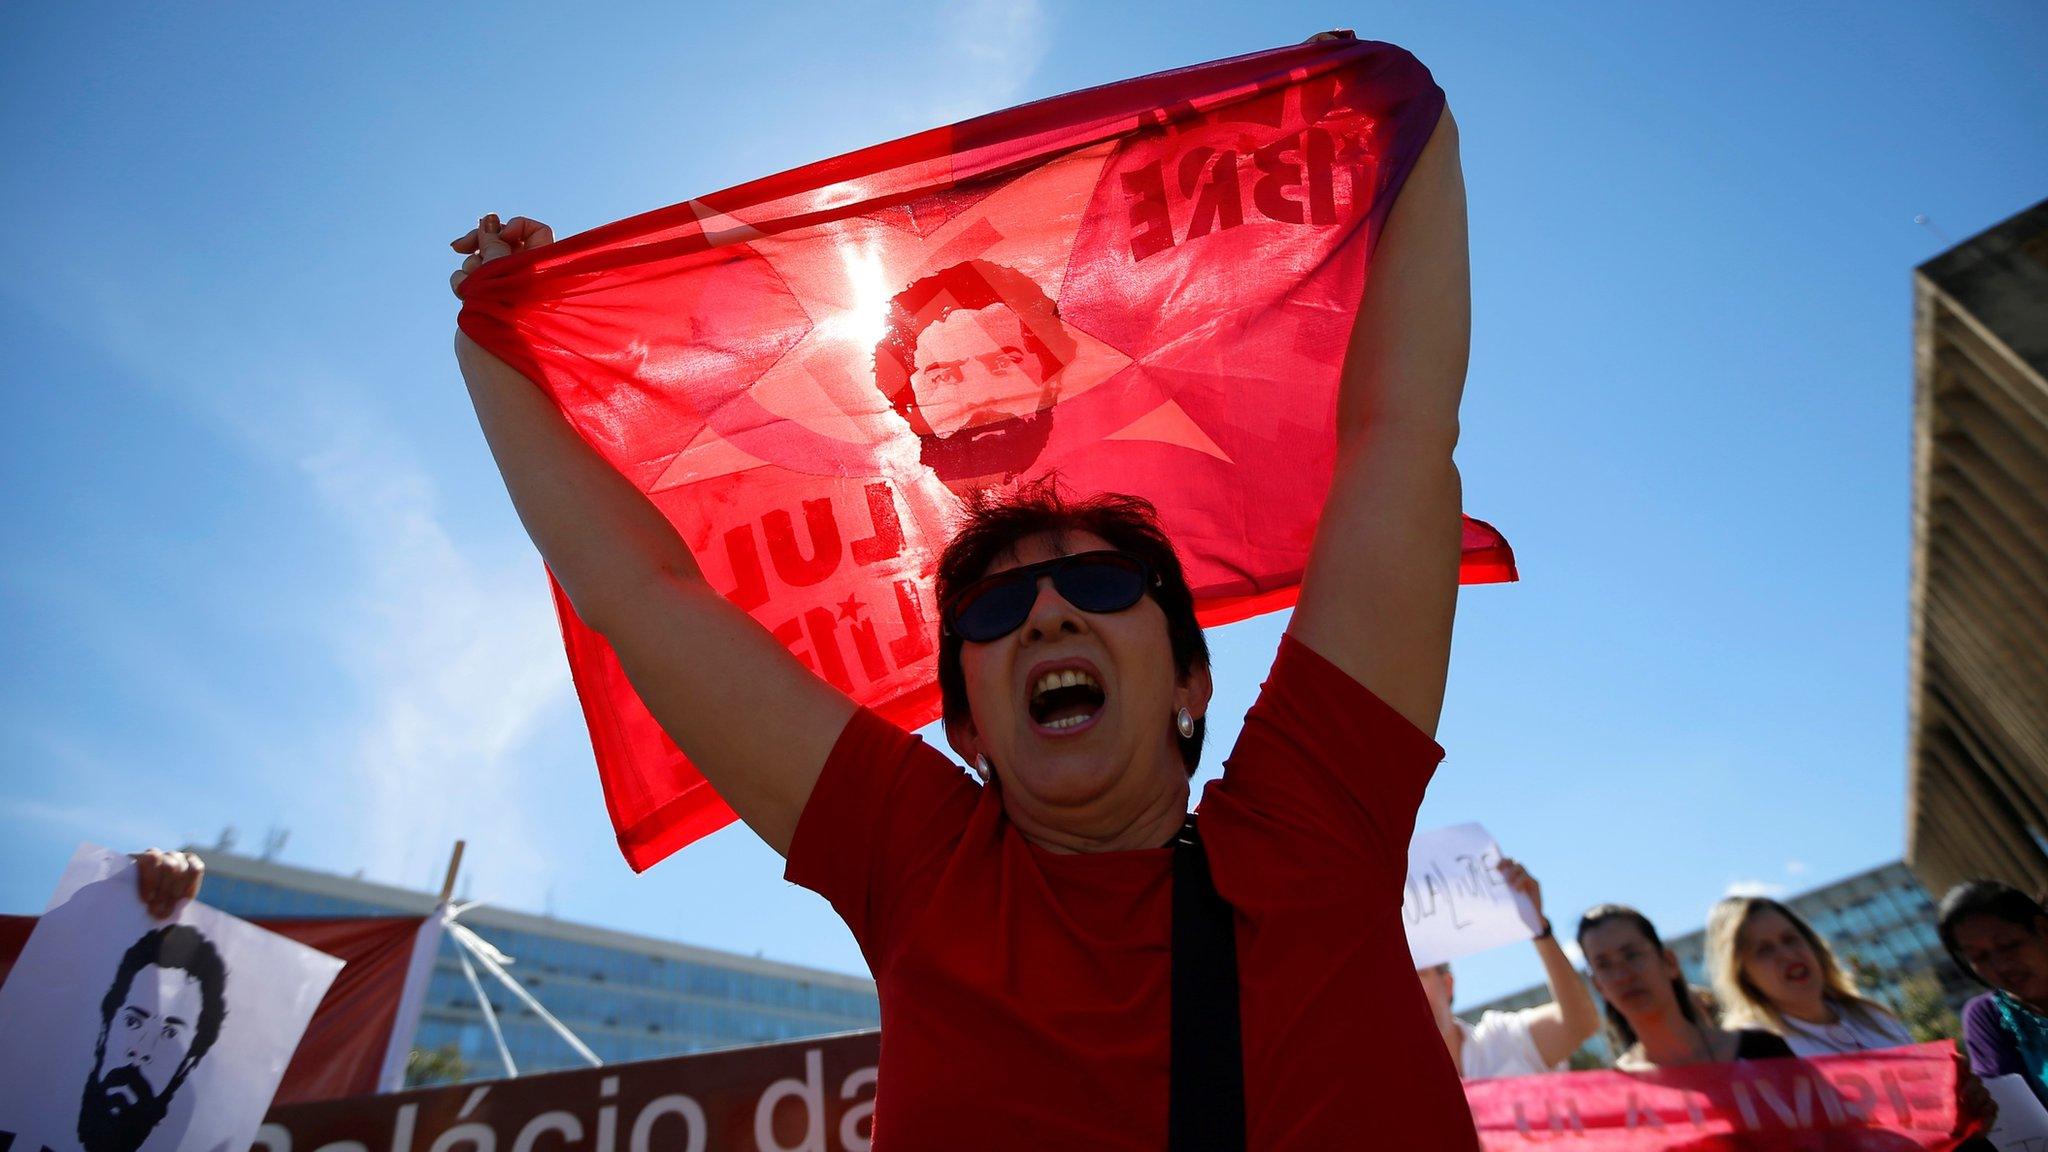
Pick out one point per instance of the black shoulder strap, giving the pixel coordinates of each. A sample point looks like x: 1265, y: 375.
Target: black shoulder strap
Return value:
x: 1205, y: 1106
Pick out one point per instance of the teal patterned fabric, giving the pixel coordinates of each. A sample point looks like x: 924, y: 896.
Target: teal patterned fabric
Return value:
x: 2030, y: 1033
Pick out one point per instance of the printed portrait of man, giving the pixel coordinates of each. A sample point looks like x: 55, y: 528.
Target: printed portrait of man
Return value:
x: 971, y: 360
x: 157, y: 1021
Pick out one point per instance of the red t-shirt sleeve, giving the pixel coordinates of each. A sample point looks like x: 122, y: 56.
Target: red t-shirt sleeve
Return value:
x: 886, y: 811
x: 1329, y: 768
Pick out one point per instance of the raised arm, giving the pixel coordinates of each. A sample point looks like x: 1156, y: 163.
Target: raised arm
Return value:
x: 1382, y: 579
x: 1570, y: 1019
x: 746, y: 713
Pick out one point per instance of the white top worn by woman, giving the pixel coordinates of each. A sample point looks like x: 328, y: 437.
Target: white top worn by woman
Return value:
x: 1852, y: 1031
x: 1499, y: 1046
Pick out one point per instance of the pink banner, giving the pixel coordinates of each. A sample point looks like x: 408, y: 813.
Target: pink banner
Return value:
x: 818, y: 1095
x: 1901, y: 1099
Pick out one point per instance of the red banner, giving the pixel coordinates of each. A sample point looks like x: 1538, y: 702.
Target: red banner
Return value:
x: 803, y: 1096
x: 1146, y: 287
x: 818, y: 1096
x: 343, y: 1049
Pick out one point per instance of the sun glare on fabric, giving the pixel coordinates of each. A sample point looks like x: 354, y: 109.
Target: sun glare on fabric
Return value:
x: 868, y: 291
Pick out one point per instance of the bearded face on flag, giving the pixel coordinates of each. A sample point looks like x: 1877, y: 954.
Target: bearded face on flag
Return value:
x: 971, y: 360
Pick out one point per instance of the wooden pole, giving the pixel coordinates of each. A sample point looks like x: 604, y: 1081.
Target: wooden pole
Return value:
x: 454, y: 866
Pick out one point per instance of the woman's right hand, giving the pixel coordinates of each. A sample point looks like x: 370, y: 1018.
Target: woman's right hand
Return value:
x: 489, y: 240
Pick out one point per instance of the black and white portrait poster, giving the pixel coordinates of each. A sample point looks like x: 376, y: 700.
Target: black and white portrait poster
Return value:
x: 121, y: 1033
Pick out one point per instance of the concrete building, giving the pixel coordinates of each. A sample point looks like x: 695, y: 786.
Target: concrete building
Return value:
x: 1880, y: 922
x: 628, y: 997
x: 1977, y: 773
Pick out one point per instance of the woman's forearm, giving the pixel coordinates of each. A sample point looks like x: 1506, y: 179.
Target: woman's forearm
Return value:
x: 1404, y: 371
x: 1571, y: 1016
x: 602, y: 538
x: 1568, y: 990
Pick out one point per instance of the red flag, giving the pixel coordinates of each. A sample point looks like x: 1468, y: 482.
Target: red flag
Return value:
x: 348, y: 1041
x: 1145, y: 287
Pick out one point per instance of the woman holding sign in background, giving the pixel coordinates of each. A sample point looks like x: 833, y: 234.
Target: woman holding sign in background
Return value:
x: 1530, y: 1041
x: 1771, y: 970
x: 1653, y: 1021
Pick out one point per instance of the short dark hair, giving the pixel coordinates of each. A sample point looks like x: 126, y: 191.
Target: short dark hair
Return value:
x: 996, y: 522
x: 182, y: 947
x: 970, y: 285
x: 1621, y: 1036
x: 1984, y: 898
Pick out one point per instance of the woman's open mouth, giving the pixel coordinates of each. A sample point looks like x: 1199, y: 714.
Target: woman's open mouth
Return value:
x: 1797, y: 973
x: 1065, y: 700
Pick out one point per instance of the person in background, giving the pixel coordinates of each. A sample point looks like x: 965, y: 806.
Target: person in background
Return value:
x: 1999, y: 935
x: 1527, y: 1042
x: 1655, y: 1022
x: 1652, y: 1019
x: 1772, y: 971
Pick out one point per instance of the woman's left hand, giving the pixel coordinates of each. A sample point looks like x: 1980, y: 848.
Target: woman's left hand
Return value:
x: 1976, y: 1111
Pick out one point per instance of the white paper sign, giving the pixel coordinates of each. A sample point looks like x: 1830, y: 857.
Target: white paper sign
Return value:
x: 1456, y: 903
x: 120, y: 1033
x: 2022, y: 1123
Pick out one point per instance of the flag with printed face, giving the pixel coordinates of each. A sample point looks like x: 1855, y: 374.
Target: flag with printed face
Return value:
x: 1145, y: 287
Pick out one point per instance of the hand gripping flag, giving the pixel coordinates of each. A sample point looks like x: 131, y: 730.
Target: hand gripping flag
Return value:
x: 1146, y: 288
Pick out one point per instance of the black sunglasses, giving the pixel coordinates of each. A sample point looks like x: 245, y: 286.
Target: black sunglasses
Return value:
x: 995, y: 606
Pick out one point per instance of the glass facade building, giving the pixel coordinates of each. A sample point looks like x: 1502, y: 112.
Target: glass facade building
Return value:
x: 628, y: 997
x: 1880, y: 924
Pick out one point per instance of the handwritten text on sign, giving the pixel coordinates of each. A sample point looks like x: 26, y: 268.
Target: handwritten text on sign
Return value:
x: 1456, y: 903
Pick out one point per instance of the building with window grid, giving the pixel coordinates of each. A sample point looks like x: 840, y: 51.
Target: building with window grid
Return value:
x: 628, y: 997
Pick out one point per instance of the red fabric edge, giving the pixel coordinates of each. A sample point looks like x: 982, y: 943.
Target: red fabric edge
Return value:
x: 979, y: 147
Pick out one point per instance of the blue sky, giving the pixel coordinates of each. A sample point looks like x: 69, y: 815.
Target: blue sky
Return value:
x: 258, y: 570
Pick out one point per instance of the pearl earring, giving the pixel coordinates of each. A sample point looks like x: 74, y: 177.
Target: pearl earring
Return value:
x: 1186, y: 723
x: 982, y: 769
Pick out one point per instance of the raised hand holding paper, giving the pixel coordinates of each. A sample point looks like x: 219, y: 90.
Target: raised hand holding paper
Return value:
x: 120, y: 1033
x: 1456, y: 903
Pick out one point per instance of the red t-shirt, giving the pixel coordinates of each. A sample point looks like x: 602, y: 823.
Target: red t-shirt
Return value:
x: 1025, y: 994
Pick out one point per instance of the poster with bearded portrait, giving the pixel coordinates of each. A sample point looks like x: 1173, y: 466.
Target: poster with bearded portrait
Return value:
x: 122, y: 1033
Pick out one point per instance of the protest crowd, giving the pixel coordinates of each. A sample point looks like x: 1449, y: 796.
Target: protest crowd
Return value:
x: 1779, y: 991
x: 1071, y: 948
